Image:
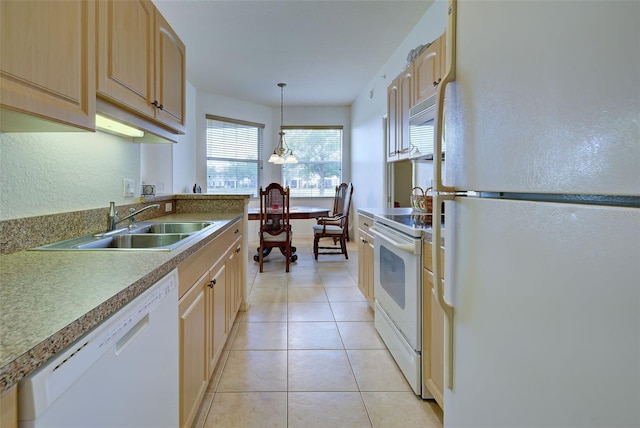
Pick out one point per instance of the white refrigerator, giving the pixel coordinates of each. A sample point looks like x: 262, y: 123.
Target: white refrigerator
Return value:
x: 541, y: 179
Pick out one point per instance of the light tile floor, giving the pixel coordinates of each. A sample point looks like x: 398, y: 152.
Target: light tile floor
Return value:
x: 306, y: 354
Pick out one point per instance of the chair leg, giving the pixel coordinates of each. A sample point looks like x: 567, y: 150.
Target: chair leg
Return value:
x: 261, y: 256
x: 343, y: 244
x: 288, y: 255
x: 316, y: 238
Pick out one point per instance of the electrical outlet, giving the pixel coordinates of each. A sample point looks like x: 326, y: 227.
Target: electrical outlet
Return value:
x: 168, y: 207
x: 128, y: 187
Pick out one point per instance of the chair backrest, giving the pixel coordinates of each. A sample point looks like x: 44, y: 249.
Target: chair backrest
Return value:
x: 274, y: 209
x: 339, y: 199
x: 347, y: 205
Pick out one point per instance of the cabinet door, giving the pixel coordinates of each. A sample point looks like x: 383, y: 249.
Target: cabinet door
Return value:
x: 427, y: 72
x: 234, y: 276
x: 126, y: 54
x: 442, y: 55
x: 218, y: 317
x: 362, y: 281
x: 365, y: 266
x: 392, y: 121
x: 47, y: 61
x: 170, y: 75
x: 194, y: 376
x: 239, y: 284
x: 433, y: 363
x: 405, y: 101
x: 369, y: 260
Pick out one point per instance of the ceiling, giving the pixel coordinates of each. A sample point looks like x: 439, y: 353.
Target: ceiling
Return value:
x: 325, y: 51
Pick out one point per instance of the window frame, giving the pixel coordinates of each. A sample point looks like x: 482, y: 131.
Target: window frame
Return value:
x: 259, y: 151
x: 324, y: 192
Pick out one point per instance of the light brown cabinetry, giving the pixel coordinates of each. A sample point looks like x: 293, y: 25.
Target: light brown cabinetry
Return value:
x: 9, y: 408
x: 365, y: 258
x: 141, y: 61
x: 217, y: 315
x: 211, y: 290
x: 194, y: 376
x: 415, y: 84
x: 234, y: 282
x: 433, y: 319
x: 428, y: 70
x: 399, y: 100
x: 47, y: 65
x: 392, y: 121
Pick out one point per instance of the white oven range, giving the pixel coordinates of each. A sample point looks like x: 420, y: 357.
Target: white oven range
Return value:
x: 398, y: 291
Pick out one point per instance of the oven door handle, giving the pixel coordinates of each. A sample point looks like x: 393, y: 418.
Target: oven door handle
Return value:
x: 409, y: 248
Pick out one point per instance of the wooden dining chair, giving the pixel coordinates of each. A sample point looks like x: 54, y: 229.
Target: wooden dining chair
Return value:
x: 338, y: 208
x: 275, y: 229
x: 335, y: 228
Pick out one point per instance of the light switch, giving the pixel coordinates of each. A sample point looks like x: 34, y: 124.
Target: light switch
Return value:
x: 128, y: 186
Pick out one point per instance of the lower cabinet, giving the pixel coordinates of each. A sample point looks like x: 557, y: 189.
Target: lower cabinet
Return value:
x: 433, y: 329
x: 9, y: 408
x: 194, y: 372
x: 207, y: 308
x: 365, y: 258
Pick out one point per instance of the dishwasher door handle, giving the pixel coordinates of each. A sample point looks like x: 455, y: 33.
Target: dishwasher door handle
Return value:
x: 131, y: 335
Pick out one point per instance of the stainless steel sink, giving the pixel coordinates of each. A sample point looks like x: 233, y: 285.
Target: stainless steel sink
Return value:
x: 137, y: 241
x: 173, y: 227
x: 146, y: 236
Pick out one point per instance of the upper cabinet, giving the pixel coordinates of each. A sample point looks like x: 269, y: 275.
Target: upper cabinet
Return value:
x: 405, y: 102
x: 62, y: 61
x: 417, y: 83
x: 392, y: 121
x: 141, y: 61
x: 399, y: 100
x: 47, y: 65
x: 170, y: 75
x: 427, y: 69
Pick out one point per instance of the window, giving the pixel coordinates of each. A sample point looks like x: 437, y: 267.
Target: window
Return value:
x: 234, y: 156
x: 319, y: 153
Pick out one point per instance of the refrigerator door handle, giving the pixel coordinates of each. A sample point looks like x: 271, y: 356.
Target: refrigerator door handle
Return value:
x: 438, y: 199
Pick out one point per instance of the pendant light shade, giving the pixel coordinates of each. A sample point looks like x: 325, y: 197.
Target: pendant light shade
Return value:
x: 282, y: 153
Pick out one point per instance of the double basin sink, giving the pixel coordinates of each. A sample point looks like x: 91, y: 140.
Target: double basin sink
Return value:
x: 148, y: 236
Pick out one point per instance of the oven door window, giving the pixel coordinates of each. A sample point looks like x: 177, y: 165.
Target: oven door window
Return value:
x: 392, y: 280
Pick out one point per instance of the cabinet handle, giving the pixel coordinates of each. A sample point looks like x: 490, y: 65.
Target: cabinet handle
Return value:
x: 158, y: 105
x: 212, y: 283
x: 236, y: 231
x: 238, y: 250
x: 436, y: 83
x: 366, y: 224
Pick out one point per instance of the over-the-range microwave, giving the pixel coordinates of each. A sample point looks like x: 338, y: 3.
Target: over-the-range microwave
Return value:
x: 422, y: 119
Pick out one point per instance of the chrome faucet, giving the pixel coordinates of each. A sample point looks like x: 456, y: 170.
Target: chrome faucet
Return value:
x: 113, y: 220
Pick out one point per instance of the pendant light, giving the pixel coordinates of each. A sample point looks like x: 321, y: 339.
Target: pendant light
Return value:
x: 282, y: 153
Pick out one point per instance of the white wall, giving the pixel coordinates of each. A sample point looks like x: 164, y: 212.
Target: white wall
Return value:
x: 50, y: 173
x: 367, y: 134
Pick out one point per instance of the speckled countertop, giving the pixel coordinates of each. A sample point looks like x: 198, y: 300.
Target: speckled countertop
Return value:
x: 48, y: 299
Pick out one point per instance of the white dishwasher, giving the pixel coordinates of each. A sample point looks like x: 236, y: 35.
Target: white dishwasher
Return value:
x: 124, y: 373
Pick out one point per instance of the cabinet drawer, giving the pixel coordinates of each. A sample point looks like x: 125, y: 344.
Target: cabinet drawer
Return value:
x: 426, y: 257
x: 364, y: 223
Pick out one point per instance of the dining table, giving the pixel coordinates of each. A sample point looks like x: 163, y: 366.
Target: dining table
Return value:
x: 296, y: 212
